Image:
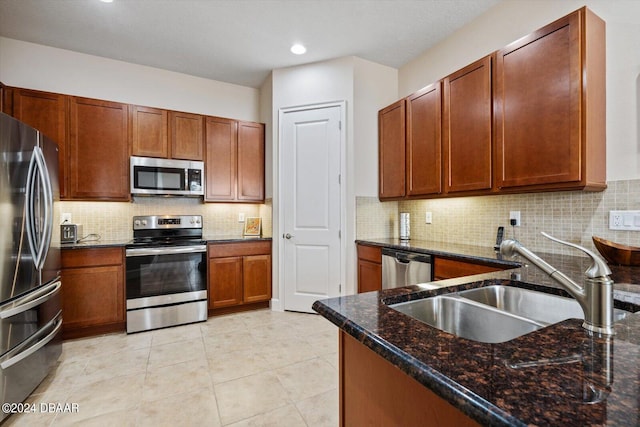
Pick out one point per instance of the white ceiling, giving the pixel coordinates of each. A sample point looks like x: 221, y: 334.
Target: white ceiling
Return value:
x: 238, y: 41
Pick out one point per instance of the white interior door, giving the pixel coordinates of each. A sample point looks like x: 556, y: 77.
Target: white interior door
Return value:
x: 311, y: 211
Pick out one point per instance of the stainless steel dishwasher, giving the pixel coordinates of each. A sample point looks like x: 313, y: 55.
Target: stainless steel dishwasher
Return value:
x: 402, y: 268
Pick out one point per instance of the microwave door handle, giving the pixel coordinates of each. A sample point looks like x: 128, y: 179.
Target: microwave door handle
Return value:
x: 186, y: 179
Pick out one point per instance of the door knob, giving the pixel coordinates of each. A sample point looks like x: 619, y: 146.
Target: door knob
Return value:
x: 287, y: 236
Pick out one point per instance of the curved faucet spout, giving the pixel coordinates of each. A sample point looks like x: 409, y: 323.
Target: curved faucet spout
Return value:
x: 595, y: 297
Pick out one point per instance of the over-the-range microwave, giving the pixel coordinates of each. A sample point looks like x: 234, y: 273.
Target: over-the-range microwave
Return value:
x: 166, y: 177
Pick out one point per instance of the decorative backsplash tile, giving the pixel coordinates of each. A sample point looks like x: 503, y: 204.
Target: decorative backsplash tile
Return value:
x: 570, y: 215
x: 112, y: 220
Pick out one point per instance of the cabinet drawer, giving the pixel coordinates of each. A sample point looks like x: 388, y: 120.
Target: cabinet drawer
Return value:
x: 73, y: 258
x: 370, y: 253
x: 448, y: 268
x: 217, y: 250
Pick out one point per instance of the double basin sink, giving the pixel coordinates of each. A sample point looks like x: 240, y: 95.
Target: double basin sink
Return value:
x: 493, y: 314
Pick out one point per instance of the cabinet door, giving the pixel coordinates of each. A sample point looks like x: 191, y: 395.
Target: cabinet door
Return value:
x: 149, y: 132
x: 424, y: 142
x: 538, y: 114
x: 467, y: 128
x: 92, y: 296
x: 46, y: 112
x: 98, y: 150
x: 256, y: 275
x: 186, y: 136
x: 250, y: 162
x: 391, y: 151
x: 221, y: 137
x: 444, y: 268
x: 369, y: 276
x: 225, y: 282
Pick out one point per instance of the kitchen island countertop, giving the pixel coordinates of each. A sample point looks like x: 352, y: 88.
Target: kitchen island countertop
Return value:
x: 558, y: 375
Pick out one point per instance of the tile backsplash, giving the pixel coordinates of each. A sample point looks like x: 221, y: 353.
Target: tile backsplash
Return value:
x: 569, y: 215
x: 112, y: 220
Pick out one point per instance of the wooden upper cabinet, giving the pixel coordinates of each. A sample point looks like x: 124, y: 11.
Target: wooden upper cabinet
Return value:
x: 234, y: 160
x: 550, y: 107
x: 424, y: 142
x: 250, y: 162
x: 186, y: 136
x: 466, y: 128
x: 47, y: 112
x: 149, y: 132
x: 221, y: 137
x: 98, y: 150
x: 391, y: 151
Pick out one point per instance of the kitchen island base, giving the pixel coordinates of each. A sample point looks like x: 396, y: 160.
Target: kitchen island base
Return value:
x: 374, y: 392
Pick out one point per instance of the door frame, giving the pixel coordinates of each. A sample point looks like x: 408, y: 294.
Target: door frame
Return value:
x: 278, y: 304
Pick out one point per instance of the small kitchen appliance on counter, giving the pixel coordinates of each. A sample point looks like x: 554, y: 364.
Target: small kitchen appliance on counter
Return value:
x: 70, y: 233
x: 166, y: 266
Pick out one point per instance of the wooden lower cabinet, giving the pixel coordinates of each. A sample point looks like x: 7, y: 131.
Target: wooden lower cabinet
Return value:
x: 239, y: 276
x: 369, y: 268
x: 374, y: 392
x: 444, y: 268
x: 93, y: 293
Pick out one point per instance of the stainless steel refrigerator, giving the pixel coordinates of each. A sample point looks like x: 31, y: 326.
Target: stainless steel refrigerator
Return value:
x: 30, y: 307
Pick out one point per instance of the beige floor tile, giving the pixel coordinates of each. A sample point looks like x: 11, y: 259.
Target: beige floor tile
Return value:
x: 287, y: 416
x: 81, y: 349
x: 170, y: 354
x: 196, y: 409
x: 39, y: 418
x: 333, y: 359
x: 125, y: 418
x: 112, y: 365
x: 224, y: 367
x: 102, y: 397
x: 220, y: 325
x: 287, y: 352
x: 249, y: 396
x: 320, y: 410
x: 176, y: 379
x: 227, y: 342
x: 114, y: 343
x: 273, y: 332
x: 178, y: 333
x: 323, y: 342
x: 308, y: 378
x: 63, y: 376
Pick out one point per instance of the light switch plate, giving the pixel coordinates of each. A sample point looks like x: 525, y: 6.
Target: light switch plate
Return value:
x: 428, y: 218
x: 241, y: 217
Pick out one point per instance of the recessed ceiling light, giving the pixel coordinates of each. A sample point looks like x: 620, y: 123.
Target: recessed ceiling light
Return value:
x: 106, y: 1
x: 298, y: 49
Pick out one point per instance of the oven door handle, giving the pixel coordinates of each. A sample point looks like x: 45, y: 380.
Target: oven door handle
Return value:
x: 171, y: 250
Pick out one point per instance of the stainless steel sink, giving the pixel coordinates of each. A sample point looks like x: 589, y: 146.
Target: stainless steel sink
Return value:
x: 467, y: 319
x: 539, y: 306
x: 494, y: 314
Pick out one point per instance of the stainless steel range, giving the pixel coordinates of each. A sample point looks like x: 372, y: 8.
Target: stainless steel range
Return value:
x: 166, y: 272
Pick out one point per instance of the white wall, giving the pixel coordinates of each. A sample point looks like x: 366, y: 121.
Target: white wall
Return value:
x: 39, y: 67
x: 510, y: 20
x: 375, y: 87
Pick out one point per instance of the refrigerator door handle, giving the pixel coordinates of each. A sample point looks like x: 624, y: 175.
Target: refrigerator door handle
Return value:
x: 29, y: 301
x: 39, y: 244
x: 37, y: 346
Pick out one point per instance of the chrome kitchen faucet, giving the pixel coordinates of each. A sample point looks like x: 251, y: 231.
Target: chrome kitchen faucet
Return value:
x: 595, y: 297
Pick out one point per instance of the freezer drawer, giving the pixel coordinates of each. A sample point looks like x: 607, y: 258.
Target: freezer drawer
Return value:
x: 24, y: 367
x: 23, y: 317
x: 401, y: 268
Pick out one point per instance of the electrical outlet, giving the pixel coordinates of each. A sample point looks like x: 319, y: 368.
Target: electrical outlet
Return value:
x: 515, y: 215
x: 428, y: 218
x: 624, y: 220
x: 241, y: 217
x: 65, y: 218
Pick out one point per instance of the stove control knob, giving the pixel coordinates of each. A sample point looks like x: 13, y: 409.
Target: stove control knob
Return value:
x: 144, y: 222
x: 136, y: 223
x: 197, y: 220
x: 192, y: 221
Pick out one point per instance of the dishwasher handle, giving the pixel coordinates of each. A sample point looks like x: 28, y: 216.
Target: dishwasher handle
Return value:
x: 404, y: 257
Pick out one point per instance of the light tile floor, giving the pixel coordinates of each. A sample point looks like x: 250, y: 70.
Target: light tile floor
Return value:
x: 259, y: 368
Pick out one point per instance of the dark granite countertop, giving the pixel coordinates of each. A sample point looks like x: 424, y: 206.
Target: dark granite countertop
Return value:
x: 121, y: 243
x: 558, y: 375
